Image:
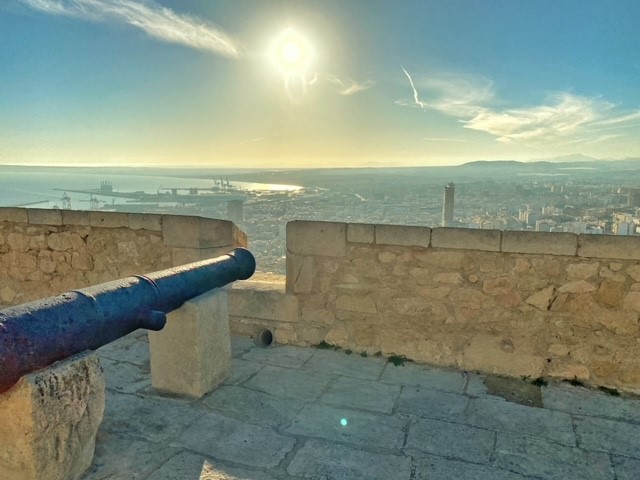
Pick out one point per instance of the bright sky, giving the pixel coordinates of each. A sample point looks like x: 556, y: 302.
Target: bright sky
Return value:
x: 317, y: 83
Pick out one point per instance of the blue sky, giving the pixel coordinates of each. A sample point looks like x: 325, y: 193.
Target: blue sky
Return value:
x: 197, y: 82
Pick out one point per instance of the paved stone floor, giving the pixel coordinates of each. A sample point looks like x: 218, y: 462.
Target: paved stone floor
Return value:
x: 294, y: 413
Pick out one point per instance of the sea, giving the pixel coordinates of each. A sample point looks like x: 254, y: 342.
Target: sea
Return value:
x: 44, y: 187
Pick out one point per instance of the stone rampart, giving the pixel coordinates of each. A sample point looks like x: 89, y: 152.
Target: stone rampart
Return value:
x: 515, y: 303
x: 46, y: 252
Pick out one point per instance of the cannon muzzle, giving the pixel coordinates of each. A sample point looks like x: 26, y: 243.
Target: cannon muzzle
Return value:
x: 37, y: 334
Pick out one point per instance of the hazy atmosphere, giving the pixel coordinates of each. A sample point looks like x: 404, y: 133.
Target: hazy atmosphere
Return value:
x: 316, y: 84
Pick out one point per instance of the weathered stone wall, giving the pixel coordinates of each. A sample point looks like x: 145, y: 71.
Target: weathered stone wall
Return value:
x: 46, y: 252
x: 515, y: 303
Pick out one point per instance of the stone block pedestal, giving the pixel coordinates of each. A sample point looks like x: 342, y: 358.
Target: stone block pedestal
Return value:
x: 49, y: 421
x: 191, y: 355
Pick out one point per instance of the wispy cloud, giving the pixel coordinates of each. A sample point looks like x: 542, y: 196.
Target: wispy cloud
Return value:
x: 349, y: 86
x: 561, y: 116
x: 159, y: 22
x: 444, y: 139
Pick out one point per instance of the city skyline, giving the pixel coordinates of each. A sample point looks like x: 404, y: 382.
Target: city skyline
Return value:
x: 310, y: 84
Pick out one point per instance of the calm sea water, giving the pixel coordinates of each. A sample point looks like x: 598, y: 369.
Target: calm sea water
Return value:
x: 19, y: 186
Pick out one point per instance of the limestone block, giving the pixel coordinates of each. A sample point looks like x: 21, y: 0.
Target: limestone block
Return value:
x: 317, y: 238
x: 540, y: 242
x: 108, y: 219
x: 631, y: 301
x: 18, y: 242
x: 565, y: 368
x: 217, y: 233
x: 487, y: 354
x: 357, y: 303
x: 451, y: 278
x: 403, y: 235
x: 42, y: 216
x: 582, y: 271
x: 76, y: 217
x: 145, y: 221
x: 579, y: 286
x: 14, y: 215
x: 466, y: 239
x: 300, y: 274
x: 197, y: 232
x: 265, y: 304
x: 634, y: 272
x: 610, y: 292
x: 542, y: 299
x: 191, y: 355
x: 182, y: 256
x: 360, y: 233
x: 49, y: 421
x: 609, y: 246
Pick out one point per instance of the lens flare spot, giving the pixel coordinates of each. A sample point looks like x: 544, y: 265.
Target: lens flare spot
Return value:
x: 343, y: 422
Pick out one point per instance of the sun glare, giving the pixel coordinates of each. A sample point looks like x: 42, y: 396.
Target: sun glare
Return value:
x: 291, y: 53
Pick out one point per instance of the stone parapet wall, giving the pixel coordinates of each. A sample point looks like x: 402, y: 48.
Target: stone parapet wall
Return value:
x: 515, y: 303
x: 46, y: 252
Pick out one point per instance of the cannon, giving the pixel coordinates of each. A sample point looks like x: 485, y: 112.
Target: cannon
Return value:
x: 37, y: 334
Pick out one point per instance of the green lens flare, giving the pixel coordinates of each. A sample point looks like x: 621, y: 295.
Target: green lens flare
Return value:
x: 343, y: 422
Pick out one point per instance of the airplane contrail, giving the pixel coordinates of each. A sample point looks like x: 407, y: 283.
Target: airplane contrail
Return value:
x: 415, y: 92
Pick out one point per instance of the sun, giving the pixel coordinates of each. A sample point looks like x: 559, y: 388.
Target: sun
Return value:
x: 291, y: 53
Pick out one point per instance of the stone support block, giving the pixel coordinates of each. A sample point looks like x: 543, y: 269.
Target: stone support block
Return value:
x: 191, y: 355
x: 540, y: 243
x: 14, y: 215
x: 403, y: 235
x: 42, y: 216
x: 466, y: 239
x: 49, y: 421
x: 361, y: 233
x: 609, y: 246
x: 317, y: 238
x: 145, y: 221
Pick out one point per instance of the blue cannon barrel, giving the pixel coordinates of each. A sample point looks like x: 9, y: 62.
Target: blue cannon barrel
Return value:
x: 37, y: 334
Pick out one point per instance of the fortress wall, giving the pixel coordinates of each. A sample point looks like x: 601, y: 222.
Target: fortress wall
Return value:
x: 46, y: 252
x: 514, y: 303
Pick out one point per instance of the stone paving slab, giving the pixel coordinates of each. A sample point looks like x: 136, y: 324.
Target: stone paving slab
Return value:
x: 429, y: 467
x: 223, y: 438
x: 451, y: 440
x: 133, y: 348
x: 339, y: 363
x: 510, y: 417
x: 287, y: 382
x: 608, y: 436
x: 551, y: 461
x: 364, y: 394
x: 119, y: 457
x: 158, y: 420
x: 324, y: 460
x: 428, y: 403
x: 626, y: 468
x: 189, y: 466
x: 362, y: 428
x: 582, y: 401
x: 242, y: 370
x: 240, y: 345
x: 419, y: 375
x: 252, y: 406
x: 283, y: 356
x: 125, y: 377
